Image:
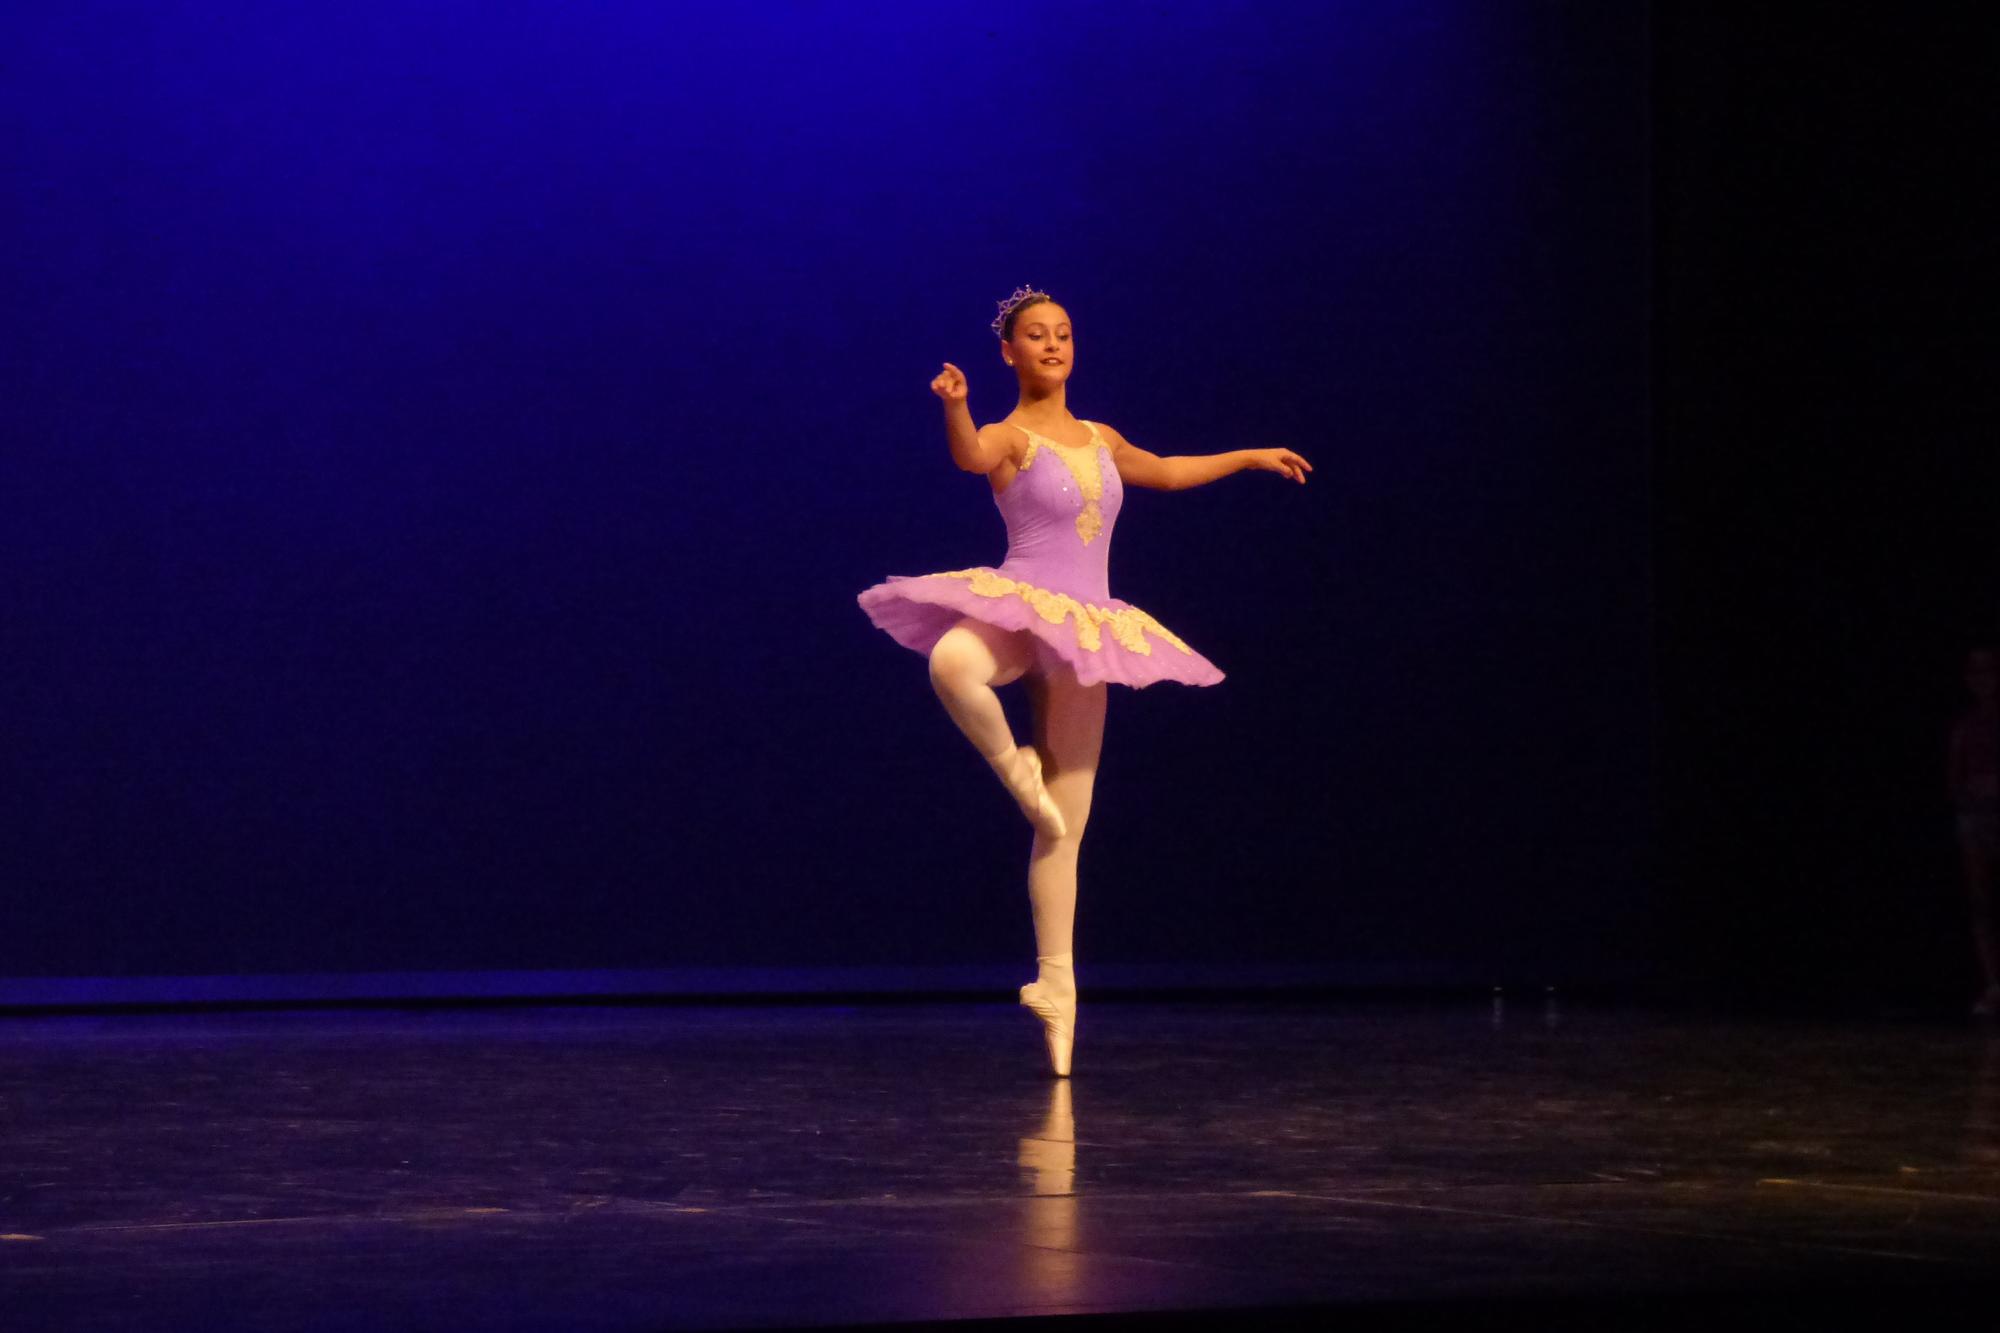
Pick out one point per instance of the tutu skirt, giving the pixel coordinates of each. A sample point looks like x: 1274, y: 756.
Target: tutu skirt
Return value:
x: 1102, y: 639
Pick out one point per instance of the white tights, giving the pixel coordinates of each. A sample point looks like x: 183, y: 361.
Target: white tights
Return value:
x: 966, y: 665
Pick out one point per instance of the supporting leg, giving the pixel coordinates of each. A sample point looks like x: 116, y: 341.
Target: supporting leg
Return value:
x: 1069, y: 731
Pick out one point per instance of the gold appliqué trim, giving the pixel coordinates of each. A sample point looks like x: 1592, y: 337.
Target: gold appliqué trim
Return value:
x: 1129, y: 626
x: 1082, y: 462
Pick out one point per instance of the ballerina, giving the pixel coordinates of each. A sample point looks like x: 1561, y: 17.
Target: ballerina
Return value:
x: 1045, y: 614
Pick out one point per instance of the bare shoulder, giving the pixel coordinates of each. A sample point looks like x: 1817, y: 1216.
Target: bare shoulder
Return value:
x: 1003, y: 435
x: 1112, y: 437
x: 1004, y: 444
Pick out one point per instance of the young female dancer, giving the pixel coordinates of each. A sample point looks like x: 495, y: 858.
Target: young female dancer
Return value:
x: 1045, y: 613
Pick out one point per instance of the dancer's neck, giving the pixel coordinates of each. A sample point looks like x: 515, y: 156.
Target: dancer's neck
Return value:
x: 1040, y: 410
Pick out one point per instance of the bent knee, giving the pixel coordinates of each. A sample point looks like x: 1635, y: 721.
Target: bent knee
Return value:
x: 959, y: 658
x: 974, y: 653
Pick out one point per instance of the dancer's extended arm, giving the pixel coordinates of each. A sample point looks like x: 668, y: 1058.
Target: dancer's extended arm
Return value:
x: 1136, y: 467
x: 972, y: 449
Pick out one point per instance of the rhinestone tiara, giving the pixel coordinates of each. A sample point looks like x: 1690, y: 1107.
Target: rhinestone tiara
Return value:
x: 1021, y: 295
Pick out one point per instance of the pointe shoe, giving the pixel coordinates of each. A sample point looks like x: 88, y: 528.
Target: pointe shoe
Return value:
x: 1021, y: 774
x: 1058, y: 1025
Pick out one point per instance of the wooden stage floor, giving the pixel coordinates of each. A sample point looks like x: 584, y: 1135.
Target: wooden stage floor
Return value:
x: 688, y: 1166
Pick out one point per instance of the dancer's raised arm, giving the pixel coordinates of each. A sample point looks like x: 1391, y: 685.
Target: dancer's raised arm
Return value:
x: 1136, y: 467
x: 969, y: 449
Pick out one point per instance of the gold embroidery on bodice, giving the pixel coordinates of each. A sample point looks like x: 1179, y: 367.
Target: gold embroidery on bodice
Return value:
x: 1082, y: 463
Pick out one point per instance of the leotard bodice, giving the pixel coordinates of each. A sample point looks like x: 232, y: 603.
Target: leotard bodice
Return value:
x: 1059, y: 511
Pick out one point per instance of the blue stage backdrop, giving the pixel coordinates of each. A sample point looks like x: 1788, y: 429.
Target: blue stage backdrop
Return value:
x: 446, y: 441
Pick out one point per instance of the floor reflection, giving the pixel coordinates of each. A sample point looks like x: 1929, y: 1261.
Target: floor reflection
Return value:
x: 1047, y: 1160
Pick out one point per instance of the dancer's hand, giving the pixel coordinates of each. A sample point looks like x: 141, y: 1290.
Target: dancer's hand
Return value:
x: 1280, y: 460
x: 950, y: 384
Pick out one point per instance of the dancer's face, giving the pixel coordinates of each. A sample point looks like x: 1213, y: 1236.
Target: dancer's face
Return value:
x: 1041, y: 349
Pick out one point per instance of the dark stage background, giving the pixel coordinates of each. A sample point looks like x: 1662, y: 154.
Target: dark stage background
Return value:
x: 447, y: 441
x: 1825, y: 490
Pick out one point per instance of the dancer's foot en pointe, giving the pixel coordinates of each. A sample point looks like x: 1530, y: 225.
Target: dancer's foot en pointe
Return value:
x: 1051, y: 997
x: 1020, y: 770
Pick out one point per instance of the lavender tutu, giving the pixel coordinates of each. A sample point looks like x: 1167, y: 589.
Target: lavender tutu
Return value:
x: 1059, y: 510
